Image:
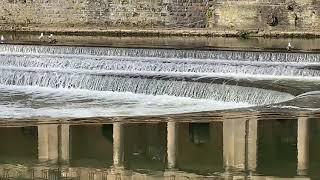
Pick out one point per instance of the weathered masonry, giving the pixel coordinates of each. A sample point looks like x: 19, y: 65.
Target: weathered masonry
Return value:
x: 225, y: 15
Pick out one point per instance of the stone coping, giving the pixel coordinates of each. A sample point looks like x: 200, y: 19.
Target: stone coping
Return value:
x: 160, y: 31
x: 304, y: 45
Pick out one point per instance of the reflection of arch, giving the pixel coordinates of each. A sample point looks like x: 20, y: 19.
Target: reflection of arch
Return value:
x: 29, y: 131
x: 199, y: 133
x: 145, y: 146
x: 239, y: 141
x: 276, y: 147
x: 107, y: 132
x: 8, y: 171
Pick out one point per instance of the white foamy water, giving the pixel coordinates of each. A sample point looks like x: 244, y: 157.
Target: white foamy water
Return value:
x: 87, y: 81
x: 163, y: 53
x: 158, y: 64
x: 31, y: 101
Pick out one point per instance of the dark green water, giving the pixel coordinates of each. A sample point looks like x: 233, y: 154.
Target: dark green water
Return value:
x: 246, y: 145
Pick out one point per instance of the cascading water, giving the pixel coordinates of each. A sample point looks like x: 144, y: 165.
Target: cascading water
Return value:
x: 163, y: 53
x: 140, y: 85
x: 252, y: 63
x: 167, y: 79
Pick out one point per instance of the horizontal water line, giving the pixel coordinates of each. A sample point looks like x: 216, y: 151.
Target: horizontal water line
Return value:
x: 161, y: 65
x: 166, y: 75
x: 82, y: 57
x: 164, y: 53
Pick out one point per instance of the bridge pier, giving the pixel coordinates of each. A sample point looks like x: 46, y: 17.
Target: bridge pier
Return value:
x: 303, y: 146
x: 171, y: 144
x: 64, y: 142
x: 234, y: 143
x: 240, y: 144
x: 48, y: 143
x: 118, y: 145
x: 53, y: 143
x: 252, y: 137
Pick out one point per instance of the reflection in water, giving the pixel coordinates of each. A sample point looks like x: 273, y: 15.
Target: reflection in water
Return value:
x: 303, y: 145
x: 199, y: 133
x: 277, y: 147
x: 242, y: 147
x: 118, y: 145
x: 172, y: 144
x: 48, y: 142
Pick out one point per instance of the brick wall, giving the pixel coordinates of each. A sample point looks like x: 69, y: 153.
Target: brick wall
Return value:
x: 288, y: 15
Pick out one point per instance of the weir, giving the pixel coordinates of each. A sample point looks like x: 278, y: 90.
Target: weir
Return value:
x: 152, y: 86
x: 195, y: 74
x: 160, y: 64
x: 164, y: 53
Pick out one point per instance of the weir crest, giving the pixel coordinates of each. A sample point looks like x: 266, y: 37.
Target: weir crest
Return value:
x: 157, y: 72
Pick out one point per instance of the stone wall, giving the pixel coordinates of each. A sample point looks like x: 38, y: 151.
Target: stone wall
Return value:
x: 235, y: 15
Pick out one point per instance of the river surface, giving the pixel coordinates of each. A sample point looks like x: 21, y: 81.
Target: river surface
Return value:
x: 98, y: 113
x: 238, y: 145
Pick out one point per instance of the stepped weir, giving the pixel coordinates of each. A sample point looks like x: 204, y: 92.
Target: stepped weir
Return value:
x: 147, y: 76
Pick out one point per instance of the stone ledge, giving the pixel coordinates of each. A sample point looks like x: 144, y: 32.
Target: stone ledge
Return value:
x: 162, y: 32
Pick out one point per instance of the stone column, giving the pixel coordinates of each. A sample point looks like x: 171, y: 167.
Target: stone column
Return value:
x: 303, y: 146
x: 234, y: 133
x: 118, y: 144
x: 48, y: 143
x: 65, y: 142
x: 43, y: 143
x: 252, y: 136
x: 171, y: 144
